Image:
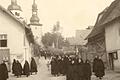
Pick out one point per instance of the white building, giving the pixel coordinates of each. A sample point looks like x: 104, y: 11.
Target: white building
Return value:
x: 14, y: 42
x: 35, y: 26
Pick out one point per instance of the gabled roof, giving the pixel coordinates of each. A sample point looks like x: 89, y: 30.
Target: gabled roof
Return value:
x: 108, y: 15
x: 23, y: 24
x: 12, y: 16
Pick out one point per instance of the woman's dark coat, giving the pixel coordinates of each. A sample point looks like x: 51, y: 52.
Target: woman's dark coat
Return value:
x: 56, y: 66
x: 33, y: 65
x: 80, y: 70
x: 87, y: 71
x: 26, y: 69
x: 60, y: 66
x: 70, y: 72
x: 100, y: 68
x: 18, y: 69
x: 94, y: 64
x: 65, y: 65
x: 75, y: 68
x: 13, y: 67
x: 3, y: 72
x: 53, y: 66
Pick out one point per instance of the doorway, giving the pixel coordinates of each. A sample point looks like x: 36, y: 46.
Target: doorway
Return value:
x: 111, y: 61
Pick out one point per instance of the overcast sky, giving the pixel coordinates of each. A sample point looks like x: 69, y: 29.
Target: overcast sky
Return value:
x: 72, y: 14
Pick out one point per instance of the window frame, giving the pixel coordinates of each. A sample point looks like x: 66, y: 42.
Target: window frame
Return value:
x: 3, y: 37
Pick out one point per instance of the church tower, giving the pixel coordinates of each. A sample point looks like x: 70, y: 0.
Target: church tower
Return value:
x: 35, y: 26
x: 15, y: 9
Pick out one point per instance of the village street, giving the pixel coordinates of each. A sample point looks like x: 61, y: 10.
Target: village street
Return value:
x: 44, y: 74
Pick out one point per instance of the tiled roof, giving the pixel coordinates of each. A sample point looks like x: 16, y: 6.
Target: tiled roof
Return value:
x: 112, y: 12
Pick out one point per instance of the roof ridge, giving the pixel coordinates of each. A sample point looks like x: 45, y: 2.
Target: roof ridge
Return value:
x: 10, y: 14
x: 108, y: 11
x: 113, y: 5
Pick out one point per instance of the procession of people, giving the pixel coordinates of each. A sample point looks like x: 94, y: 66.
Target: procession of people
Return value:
x: 75, y: 68
x: 71, y: 66
x: 27, y: 69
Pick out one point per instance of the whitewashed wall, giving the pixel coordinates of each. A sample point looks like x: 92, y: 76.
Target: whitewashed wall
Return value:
x: 16, y: 35
x: 112, y: 36
x: 37, y: 31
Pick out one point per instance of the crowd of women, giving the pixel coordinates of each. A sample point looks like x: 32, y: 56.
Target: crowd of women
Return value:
x: 75, y: 68
x: 27, y: 69
x: 17, y: 69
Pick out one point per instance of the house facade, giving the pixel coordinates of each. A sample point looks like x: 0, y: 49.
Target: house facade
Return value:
x: 108, y: 27
x: 112, y: 34
x: 14, y: 41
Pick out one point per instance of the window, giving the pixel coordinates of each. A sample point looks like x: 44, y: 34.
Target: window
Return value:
x: 3, y: 40
x: 115, y: 55
x: 17, y: 14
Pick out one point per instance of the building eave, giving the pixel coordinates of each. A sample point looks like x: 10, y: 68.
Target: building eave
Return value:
x: 36, y: 24
x: 99, y: 26
x: 23, y: 24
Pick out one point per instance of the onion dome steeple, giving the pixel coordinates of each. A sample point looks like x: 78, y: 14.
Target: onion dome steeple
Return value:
x: 14, y: 6
x: 34, y: 19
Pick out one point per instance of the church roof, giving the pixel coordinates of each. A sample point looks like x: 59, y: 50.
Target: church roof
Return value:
x: 34, y: 19
x: 108, y: 15
x: 23, y: 24
x: 14, y: 6
x: 34, y: 6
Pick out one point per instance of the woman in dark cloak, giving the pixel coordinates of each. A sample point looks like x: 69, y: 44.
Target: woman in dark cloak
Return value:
x: 3, y: 71
x: 71, y: 70
x: 65, y: 65
x: 18, y: 69
x: 80, y: 69
x: 53, y: 66
x: 26, y: 69
x: 13, y: 66
x: 75, y: 68
x: 94, y: 63
x: 59, y: 65
x: 33, y: 66
x: 100, y: 68
x: 56, y: 66
x: 87, y: 70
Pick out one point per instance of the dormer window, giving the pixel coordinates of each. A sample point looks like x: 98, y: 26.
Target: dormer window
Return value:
x: 17, y: 14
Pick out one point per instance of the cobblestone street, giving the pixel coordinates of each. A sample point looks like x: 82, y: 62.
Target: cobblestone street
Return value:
x: 44, y: 74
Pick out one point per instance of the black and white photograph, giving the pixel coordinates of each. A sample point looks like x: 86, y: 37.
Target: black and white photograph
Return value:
x: 59, y: 39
